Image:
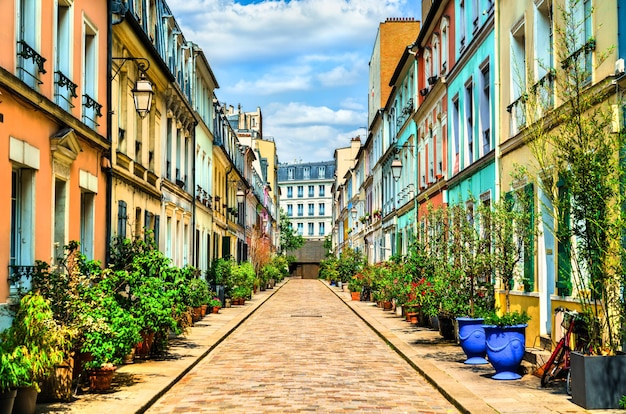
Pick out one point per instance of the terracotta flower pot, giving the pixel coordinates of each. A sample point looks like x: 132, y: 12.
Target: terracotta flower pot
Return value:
x: 101, y: 379
x: 355, y: 295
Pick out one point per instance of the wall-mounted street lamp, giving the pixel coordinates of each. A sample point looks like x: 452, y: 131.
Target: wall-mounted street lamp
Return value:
x: 396, y: 169
x: 142, y: 92
x: 353, y: 213
x: 241, y: 195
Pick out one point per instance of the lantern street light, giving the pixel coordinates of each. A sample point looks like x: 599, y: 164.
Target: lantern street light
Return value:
x: 142, y: 93
x: 241, y: 195
x: 353, y: 212
x: 396, y: 169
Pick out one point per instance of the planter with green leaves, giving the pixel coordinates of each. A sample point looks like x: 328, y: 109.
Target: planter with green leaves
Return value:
x: 109, y: 332
x: 506, y: 341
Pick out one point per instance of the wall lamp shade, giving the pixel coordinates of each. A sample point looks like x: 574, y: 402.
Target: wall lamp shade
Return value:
x: 240, y: 196
x: 142, y: 93
x: 353, y: 212
x: 396, y: 169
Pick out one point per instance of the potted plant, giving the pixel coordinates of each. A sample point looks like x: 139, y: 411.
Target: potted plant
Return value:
x: 239, y: 294
x: 37, y: 343
x: 506, y: 341
x: 109, y: 332
x: 355, y: 285
x: 198, y: 296
x: 215, y: 304
x: 8, y: 380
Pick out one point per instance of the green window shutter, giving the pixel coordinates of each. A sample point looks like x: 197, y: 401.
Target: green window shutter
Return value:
x: 564, y: 265
x: 529, y: 245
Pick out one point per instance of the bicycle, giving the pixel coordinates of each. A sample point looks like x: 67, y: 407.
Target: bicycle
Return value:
x: 558, y: 364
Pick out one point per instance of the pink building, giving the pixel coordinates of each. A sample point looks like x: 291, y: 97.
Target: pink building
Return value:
x: 53, y: 129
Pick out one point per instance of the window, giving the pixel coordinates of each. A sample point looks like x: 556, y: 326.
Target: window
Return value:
x: 427, y: 65
x: 64, y: 88
x: 518, y: 77
x: 321, y: 209
x: 300, y: 210
x: 290, y: 173
x: 583, y: 31
x: 91, y: 107
x: 311, y: 209
x: 311, y: 229
x: 168, y: 150
x: 475, y: 15
x: 306, y: 173
x: 455, y: 132
x: 311, y: 191
x: 87, y: 208
x: 22, y: 219
x: 485, y: 108
x: 321, y: 172
x: 469, y: 125
x: 438, y: 149
x: 122, y: 219
x: 30, y: 64
x: 300, y: 229
x: 444, y: 46
x: 321, y: 229
x: 462, y: 33
x: 543, y: 31
x: 431, y: 156
x: 289, y: 210
x: 289, y: 192
x: 436, y: 68
x: 321, y: 190
x: 60, y: 214
x: 300, y: 191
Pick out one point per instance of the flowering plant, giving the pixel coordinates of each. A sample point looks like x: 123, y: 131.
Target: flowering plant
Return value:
x: 215, y: 302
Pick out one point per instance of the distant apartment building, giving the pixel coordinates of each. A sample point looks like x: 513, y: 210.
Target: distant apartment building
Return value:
x: 306, y: 197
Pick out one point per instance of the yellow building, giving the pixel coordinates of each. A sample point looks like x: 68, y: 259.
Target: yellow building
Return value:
x: 533, y: 59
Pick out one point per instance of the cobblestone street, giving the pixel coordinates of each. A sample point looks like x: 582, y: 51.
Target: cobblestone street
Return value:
x: 303, y: 351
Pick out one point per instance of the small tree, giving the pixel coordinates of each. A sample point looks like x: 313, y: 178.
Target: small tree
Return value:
x: 289, y: 237
x: 511, y: 230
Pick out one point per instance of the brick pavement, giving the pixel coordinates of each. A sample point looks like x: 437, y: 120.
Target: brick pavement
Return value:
x: 303, y: 351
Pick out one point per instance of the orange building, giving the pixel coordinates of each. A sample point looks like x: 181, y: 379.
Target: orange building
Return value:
x: 53, y: 133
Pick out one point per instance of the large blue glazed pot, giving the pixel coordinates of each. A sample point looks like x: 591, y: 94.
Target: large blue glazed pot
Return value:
x: 473, y: 340
x: 505, y: 349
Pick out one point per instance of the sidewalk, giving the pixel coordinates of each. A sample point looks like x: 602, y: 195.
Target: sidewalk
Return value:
x: 137, y: 386
x: 469, y: 388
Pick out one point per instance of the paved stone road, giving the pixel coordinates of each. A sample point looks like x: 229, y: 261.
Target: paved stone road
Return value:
x: 303, y: 351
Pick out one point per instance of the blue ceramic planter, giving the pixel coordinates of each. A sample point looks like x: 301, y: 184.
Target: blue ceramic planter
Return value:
x: 505, y: 349
x: 473, y: 340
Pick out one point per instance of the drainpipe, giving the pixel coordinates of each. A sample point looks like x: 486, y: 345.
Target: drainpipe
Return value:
x: 109, y: 171
x: 497, y: 86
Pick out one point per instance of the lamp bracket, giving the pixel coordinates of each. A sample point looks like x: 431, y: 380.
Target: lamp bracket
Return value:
x: 142, y: 63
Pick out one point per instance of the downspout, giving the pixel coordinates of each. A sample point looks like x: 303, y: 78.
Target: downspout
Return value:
x: 109, y: 171
x: 496, y: 106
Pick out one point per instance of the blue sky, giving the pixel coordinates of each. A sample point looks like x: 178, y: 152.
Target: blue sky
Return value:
x: 303, y: 62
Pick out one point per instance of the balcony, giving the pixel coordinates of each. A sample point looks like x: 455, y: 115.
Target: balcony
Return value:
x: 92, y: 110
x: 64, y: 91
x: 20, y: 278
x: 30, y: 64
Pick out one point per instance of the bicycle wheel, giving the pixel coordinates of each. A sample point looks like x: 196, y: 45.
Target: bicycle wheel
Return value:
x: 568, y: 383
x: 552, y: 370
